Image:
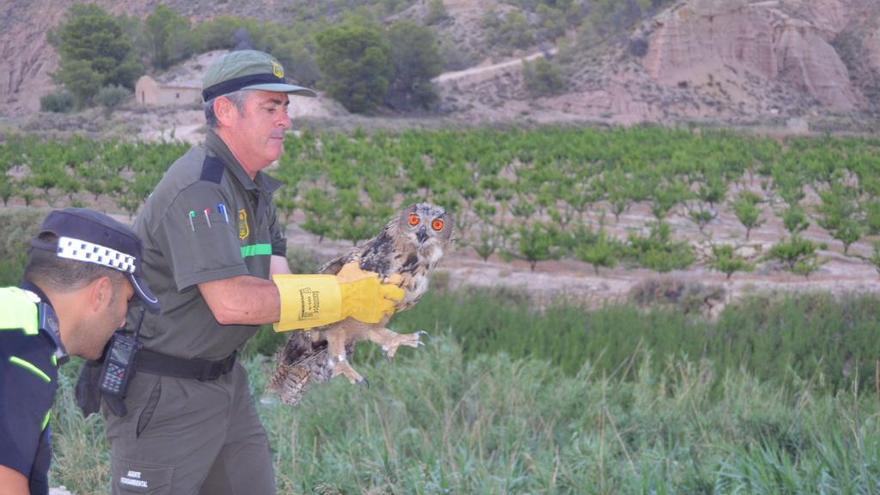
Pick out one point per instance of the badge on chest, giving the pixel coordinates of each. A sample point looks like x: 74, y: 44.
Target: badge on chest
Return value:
x: 243, y: 230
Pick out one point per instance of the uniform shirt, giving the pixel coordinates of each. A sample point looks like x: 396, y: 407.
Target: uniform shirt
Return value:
x: 28, y: 382
x: 206, y: 220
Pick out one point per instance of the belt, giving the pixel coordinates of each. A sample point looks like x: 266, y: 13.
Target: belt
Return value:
x: 199, y: 369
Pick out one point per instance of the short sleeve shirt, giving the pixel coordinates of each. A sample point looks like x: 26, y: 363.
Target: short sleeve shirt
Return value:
x: 28, y: 382
x: 206, y: 220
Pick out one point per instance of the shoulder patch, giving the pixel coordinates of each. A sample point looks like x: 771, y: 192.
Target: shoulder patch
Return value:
x: 212, y: 169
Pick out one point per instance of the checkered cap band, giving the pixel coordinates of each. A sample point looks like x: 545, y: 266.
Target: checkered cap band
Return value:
x: 76, y: 249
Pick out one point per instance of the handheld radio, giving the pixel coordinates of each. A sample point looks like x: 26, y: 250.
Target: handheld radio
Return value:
x: 119, y: 362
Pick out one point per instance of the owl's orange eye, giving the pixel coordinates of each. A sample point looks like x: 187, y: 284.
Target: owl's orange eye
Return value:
x: 437, y: 224
x: 414, y: 219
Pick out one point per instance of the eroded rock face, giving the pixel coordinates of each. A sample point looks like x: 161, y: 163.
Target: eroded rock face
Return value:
x: 872, y: 45
x: 763, y: 38
x: 26, y: 59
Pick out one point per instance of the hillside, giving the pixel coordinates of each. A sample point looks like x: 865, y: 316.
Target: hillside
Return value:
x: 737, y: 62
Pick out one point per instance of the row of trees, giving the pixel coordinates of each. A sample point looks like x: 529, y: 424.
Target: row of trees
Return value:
x: 349, y: 53
x: 534, y: 195
x: 359, y: 62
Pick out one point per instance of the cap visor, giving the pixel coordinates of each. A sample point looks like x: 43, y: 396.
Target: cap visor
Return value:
x: 284, y: 88
x: 150, y: 301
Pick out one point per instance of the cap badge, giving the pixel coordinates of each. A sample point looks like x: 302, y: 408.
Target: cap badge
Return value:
x: 277, y: 70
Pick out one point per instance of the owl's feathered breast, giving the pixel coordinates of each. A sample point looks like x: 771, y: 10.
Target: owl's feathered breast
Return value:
x: 387, y: 255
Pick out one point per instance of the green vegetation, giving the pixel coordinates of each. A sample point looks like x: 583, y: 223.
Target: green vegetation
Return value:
x: 725, y: 260
x: 798, y: 254
x: 94, y: 52
x: 99, y: 50
x: 416, y: 59
x: 779, y: 395
x: 510, y: 30
x: 364, y: 66
x: 542, y: 77
x: 747, y: 210
x: 812, y: 336
x: 609, y: 18
x: 658, y: 251
x: 355, y: 60
x: 168, y: 37
x: 636, y: 405
x: 528, y: 194
x: 57, y: 102
x: 599, y: 250
x: 111, y: 97
x: 437, y: 12
x: 17, y: 227
x: 840, y: 214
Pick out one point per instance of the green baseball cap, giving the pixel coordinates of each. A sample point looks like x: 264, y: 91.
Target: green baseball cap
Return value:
x: 248, y: 69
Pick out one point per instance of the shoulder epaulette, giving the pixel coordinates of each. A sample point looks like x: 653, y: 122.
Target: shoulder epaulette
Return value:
x: 212, y: 169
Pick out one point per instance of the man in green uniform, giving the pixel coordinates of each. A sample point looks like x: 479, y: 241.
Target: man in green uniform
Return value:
x: 82, y: 270
x: 215, y: 255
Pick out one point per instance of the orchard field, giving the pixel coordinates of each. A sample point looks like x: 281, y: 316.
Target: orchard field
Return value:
x: 533, y: 195
x: 772, y: 393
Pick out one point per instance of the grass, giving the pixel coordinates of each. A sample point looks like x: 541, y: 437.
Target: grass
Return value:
x: 778, y: 338
x: 436, y: 422
x: 17, y: 227
x: 777, y: 396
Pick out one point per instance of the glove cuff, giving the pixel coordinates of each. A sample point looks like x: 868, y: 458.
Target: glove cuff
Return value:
x: 308, y: 301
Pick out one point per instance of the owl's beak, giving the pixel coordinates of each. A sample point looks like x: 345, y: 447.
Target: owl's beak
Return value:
x: 422, y: 234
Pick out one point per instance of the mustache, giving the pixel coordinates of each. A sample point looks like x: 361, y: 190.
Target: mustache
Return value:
x: 277, y: 134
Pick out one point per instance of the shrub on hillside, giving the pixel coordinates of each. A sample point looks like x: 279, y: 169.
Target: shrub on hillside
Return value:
x: 111, y: 97
x: 509, y: 31
x: 542, y: 77
x: 638, y: 47
x: 436, y: 12
x: 58, y: 102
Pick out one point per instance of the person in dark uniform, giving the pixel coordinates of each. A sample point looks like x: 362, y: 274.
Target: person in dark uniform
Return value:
x: 215, y: 255
x: 82, y: 270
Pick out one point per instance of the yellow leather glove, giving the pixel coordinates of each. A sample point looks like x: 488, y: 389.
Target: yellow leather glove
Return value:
x: 309, y: 301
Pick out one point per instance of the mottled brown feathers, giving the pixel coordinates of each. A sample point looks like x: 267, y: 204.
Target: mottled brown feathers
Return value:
x: 403, y: 248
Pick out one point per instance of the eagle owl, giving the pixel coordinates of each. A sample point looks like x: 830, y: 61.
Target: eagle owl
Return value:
x: 407, y: 249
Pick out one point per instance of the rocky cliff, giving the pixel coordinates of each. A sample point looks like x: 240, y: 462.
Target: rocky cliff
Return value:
x: 788, y: 42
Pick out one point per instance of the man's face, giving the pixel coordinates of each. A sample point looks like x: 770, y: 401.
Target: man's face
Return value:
x: 111, y: 318
x: 256, y: 134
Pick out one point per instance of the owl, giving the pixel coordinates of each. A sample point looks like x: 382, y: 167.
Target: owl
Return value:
x: 406, y: 251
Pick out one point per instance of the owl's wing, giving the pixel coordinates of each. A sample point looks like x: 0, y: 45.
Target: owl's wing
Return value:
x: 300, y: 363
x: 333, y: 266
x: 372, y: 256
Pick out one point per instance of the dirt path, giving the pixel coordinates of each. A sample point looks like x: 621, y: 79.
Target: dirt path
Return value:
x: 479, y: 71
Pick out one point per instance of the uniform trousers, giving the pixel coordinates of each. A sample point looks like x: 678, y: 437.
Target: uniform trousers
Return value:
x: 184, y: 436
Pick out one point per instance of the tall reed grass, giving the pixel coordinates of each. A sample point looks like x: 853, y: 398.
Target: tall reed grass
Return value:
x: 434, y: 421
x: 830, y: 340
